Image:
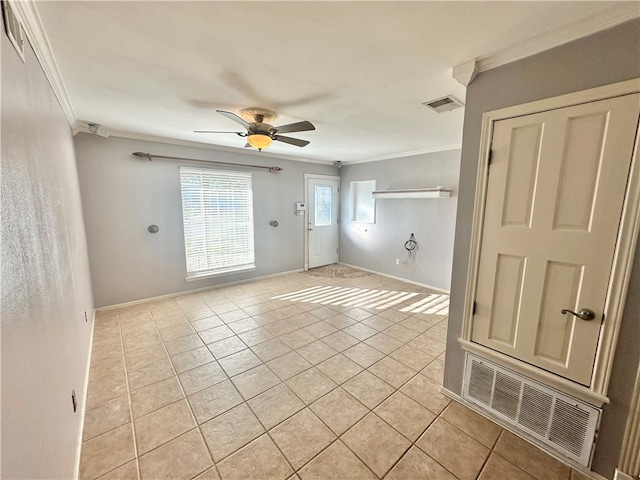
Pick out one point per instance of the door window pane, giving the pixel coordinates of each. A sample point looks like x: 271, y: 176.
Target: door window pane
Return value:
x: 323, y: 204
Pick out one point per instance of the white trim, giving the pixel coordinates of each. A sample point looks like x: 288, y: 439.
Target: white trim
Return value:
x: 430, y: 287
x: 465, y: 72
x: 629, y: 463
x: 619, y: 475
x: 414, y: 153
x: 27, y: 13
x: 83, y: 407
x: 623, y: 12
x: 552, y: 453
x: 427, y: 192
x: 625, y: 246
x: 192, y: 291
x: 307, y: 177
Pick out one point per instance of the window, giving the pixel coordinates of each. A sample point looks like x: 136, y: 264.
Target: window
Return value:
x: 217, y: 211
x: 324, y: 205
x: 363, y: 206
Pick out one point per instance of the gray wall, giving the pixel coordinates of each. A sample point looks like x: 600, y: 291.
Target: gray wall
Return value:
x: 45, y: 278
x: 122, y: 195
x: 432, y: 221
x: 607, y: 57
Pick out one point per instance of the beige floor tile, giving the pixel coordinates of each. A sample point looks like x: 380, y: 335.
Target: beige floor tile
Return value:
x: 401, y: 333
x: 144, y: 356
x: 377, y: 444
x: 163, y: 425
x: 311, y: 385
x: 301, y: 437
x: 418, y: 465
x: 211, y: 474
x: 282, y: 327
x: 132, y: 331
x: 177, y: 331
x: 339, y: 368
x: 226, y: 347
x: 428, y: 345
x: 337, y: 462
x: 106, y: 416
x: 107, y: 367
x: 150, y: 338
x: 416, y: 323
x: 231, y: 431
x: 256, y: 336
x: 363, y: 355
x: 453, y: 449
x: 275, y: 405
x: 529, y: 458
x: 171, y: 321
x: 215, y: 334
x: 391, y: 371
x: 244, y: 325
x: 197, y: 313
x: 107, y: 452
x: 340, y: 321
x: 360, y: 331
x: 155, y: 396
x: 377, y: 322
x: 255, y: 381
x: 181, y: 458
x: 201, y: 377
x: 297, y: 338
x: 320, y: 329
x: 323, y: 312
x: 393, y: 315
x: 497, y: 468
x: 128, y: 471
x: 149, y: 374
x: 357, y: 314
x: 474, y: 425
x: 234, y: 316
x: 183, y: 344
x: 426, y: 392
x: 105, y: 389
x: 220, y: 308
x: 368, y: 389
x: 239, y: 362
x: 288, y: 365
x: 340, y: 341
x: 270, y: 349
x: 405, y: 415
x: 435, y: 370
x: 191, y: 359
x: 207, y: 323
x: 164, y: 309
x: 412, y: 358
x: 214, y: 400
x: 260, y: 460
x: 383, y: 343
x: 339, y: 410
x: 316, y: 352
x: 576, y: 475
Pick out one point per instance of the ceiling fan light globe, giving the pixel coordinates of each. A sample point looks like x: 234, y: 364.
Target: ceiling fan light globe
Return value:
x: 259, y: 140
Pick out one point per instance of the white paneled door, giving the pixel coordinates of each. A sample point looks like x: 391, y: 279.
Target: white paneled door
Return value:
x: 323, y: 220
x: 554, y: 199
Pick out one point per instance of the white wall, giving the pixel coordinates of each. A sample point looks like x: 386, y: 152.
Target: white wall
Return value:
x: 45, y: 278
x: 432, y: 221
x: 122, y: 195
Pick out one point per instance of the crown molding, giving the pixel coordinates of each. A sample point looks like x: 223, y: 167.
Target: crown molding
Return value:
x: 624, y: 12
x: 28, y: 15
x: 440, y: 148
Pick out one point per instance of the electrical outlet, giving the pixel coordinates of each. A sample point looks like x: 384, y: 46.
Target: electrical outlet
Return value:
x: 273, y: 260
x: 397, y: 261
x: 73, y: 401
x: 404, y: 264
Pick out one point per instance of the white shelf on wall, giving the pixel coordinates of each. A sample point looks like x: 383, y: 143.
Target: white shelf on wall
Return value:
x: 434, y: 192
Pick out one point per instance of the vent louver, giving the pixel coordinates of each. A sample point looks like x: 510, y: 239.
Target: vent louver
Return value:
x: 565, y: 424
x: 444, y: 104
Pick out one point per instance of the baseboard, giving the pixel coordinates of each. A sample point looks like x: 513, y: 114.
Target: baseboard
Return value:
x: 83, y: 404
x: 196, y: 290
x: 430, y: 287
x: 566, y: 461
x: 620, y: 475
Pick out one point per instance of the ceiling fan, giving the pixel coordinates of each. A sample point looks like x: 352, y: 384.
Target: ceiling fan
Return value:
x: 260, y: 133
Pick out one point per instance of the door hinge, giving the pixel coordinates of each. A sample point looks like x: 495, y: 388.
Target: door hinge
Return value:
x: 602, y: 319
x: 336, y: 250
x: 490, y: 157
x: 474, y: 308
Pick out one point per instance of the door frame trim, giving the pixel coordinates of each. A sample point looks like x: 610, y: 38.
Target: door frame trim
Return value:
x: 623, y: 254
x: 307, y: 177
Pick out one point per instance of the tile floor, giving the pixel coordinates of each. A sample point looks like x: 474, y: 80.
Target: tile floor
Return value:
x: 336, y: 379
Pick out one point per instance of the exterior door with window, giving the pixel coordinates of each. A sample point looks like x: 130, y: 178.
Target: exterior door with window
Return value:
x: 555, y: 193
x: 323, y: 220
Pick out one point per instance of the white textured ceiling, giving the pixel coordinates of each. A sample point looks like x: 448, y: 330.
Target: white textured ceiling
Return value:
x: 358, y: 71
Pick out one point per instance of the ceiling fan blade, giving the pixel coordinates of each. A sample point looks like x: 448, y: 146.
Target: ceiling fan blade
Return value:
x: 235, y: 118
x: 295, y: 127
x: 293, y: 141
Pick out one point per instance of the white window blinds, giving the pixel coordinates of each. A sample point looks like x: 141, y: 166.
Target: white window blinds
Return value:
x: 217, y: 211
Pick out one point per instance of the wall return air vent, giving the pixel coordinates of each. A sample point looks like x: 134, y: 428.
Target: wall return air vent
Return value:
x: 444, y: 104
x: 565, y: 424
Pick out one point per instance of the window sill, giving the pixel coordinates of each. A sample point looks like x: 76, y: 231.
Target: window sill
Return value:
x: 219, y: 273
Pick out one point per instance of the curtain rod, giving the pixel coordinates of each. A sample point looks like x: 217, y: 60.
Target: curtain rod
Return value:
x: 151, y: 156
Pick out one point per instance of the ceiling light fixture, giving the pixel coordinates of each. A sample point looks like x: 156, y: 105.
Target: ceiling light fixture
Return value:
x: 259, y: 140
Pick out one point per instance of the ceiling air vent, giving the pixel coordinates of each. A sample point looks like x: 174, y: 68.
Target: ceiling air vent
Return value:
x: 444, y: 104
x: 14, y: 28
x: 565, y: 424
